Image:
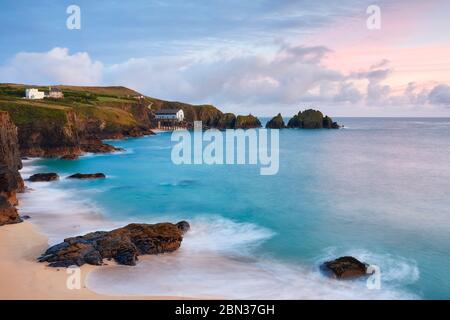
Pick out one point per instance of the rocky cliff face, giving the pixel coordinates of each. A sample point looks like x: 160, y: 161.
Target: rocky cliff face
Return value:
x: 10, y: 163
x: 45, y: 132
x: 48, y: 137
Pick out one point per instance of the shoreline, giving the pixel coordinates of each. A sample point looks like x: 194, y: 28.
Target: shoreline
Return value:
x: 27, y: 279
x: 21, y: 244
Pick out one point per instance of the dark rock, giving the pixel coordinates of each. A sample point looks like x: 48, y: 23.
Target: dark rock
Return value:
x: 87, y: 176
x: 10, y: 184
x: 124, y: 245
x: 276, y: 122
x: 9, y: 143
x: 38, y: 177
x: 311, y: 119
x: 345, y: 268
x: 25, y: 217
x: 328, y: 123
x: 226, y: 121
x: 69, y: 157
x: 247, y: 122
x: 183, y: 226
x: 8, y: 213
x: 10, y: 163
x: 99, y: 147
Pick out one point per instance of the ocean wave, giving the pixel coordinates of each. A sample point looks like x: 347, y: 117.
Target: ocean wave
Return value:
x: 215, y: 233
x: 216, y: 261
x: 60, y: 211
x: 212, y: 275
x: 217, y: 257
x: 108, y: 154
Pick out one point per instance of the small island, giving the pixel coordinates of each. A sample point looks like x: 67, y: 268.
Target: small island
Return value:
x: 308, y: 119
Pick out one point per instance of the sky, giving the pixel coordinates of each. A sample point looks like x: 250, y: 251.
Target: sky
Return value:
x: 248, y: 56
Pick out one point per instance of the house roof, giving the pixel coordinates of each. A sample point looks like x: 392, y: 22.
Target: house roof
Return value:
x: 167, y: 111
x: 55, y: 90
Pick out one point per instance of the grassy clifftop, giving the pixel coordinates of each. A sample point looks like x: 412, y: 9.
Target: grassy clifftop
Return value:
x: 85, y: 115
x: 102, y: 103
x: 114, y: 106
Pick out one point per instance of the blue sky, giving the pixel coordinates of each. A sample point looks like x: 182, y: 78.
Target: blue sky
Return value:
x: 260, y: 56
x: 110, y: 29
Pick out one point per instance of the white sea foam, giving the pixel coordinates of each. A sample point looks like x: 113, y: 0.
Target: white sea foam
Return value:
x: 56, y: 212
x: 216, y: 260
x: 395, y: 270
x: 217, y: 257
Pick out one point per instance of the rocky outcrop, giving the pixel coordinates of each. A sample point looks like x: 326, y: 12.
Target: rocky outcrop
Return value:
x: 70, y: 157
x: 247, y: 122
x: 96, y: 146
x: 183, y: 226
x: 345, y: 268
x: 44, y: 177
x: 124, y: 245
x: 8, y: 213
x: 328, y: 123
x: 226, y: 121
x: 87, y: 176
x: 47, y: 134
x: 311, y: 119
x: 276, y: 122
x: 10, y: 184
x: 10, y: 164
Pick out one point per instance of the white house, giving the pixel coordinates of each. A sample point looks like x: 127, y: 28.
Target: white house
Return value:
x: 55, y: 93
x: 170, y: 114
x: 34, y: 94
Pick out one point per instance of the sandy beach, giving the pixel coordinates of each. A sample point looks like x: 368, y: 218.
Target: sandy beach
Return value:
x: 21, y: 277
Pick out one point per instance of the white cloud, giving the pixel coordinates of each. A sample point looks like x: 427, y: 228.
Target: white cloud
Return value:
x: 52, y: 67
x: 440, y: 95
x: 286, y: 75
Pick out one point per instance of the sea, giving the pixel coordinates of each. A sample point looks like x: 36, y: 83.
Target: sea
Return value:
x: 377, y: 189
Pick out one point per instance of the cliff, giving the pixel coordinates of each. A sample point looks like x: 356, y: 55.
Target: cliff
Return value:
x: 78, y: 122
x: 208, y: 114
x: 85, y: 116
x: 10, y: 164
x: 311, y: 119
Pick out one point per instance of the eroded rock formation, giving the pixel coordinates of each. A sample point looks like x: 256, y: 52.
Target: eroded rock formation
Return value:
x: 124, y: 245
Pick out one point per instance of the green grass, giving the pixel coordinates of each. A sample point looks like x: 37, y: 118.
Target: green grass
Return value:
x: 90, y: 103
x: 113, y: 117
x: 22, y: 113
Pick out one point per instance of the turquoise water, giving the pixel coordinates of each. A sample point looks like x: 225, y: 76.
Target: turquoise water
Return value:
x: 378, y: 189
